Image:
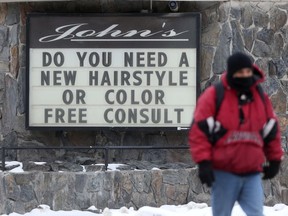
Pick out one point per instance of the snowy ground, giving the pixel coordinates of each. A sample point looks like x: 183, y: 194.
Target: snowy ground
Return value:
x: 190, y: 209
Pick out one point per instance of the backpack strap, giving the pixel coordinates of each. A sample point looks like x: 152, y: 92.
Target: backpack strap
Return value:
x: 219, y: 96
x: 261, y: 93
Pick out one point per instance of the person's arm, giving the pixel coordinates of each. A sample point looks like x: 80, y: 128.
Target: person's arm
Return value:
x: 200, y: 146
x: 199, y: 136
x: 272, y: 143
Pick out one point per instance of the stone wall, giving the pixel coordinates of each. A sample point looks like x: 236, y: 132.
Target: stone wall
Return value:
x: 21, y: 192
x: 258, y: 28
x: 69, y: 190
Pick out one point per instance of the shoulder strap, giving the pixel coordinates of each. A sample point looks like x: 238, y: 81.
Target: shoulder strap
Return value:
x: 261, y: 93
x: 219, y: 96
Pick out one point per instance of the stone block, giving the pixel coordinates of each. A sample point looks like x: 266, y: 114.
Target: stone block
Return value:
x: 284, y: 196
x: 171, y: 176
x: 263, y: 64
x: 201, y: 198
x: 9, y: 107
x: 266, y: 35
x: 222, y: 50
x: 95, y: 183
x: 9, y: 206
x: 279, y: 101
x: 235, y: 12
x: 4, y: 67
x: 12, y: 190
x: 80, y: 182
x: 14, y: 35
x: 271, y: 85
x: 2, y: 192
x: 261, y: 18
x: 261, y: 49
x: 3, y: 37
x: 279, y: 68
x: 207, y: 54
x: 210, y: 35
x: 26, y: 193
x: 246, y: 16
x: 223, y: 13
x: 13, y: 15
x: 277, y: 45
x: 32, y: 166
x: 141, y: 181
x: 3, y: 13
x: 21, y: 91
x: 14, y: 61
x: 237, y: 41
x: 249, y: 37
x: 82, y: 201
x: 278, y: 18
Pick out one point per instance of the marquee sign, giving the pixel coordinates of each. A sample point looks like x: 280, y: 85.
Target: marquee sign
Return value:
x: 114, y: 70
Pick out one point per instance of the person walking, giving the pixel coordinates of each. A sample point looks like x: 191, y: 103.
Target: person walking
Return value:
x: 235, y: 143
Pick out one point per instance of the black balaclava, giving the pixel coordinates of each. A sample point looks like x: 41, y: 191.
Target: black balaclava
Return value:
x: 236, y: 62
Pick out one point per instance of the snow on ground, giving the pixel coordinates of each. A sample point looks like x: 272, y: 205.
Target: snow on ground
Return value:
x: 190, y: 209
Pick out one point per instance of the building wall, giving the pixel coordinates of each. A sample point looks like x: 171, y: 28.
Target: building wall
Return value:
x: 258, y: 28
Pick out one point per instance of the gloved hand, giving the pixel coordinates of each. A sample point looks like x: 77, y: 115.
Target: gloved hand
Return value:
x: 206, y: 174
x: 271, y: 170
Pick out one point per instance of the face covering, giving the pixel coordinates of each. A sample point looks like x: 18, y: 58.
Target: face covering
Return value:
x: 242, y: 84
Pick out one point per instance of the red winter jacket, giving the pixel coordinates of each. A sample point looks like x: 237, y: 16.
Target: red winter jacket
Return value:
x: 241, y: 150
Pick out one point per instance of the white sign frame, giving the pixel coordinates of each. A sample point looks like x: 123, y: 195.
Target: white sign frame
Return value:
x: 113, y: 77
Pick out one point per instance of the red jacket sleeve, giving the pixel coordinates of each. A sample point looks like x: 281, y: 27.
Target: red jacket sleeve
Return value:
x: 273, y: 150
x: 200, y: 147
